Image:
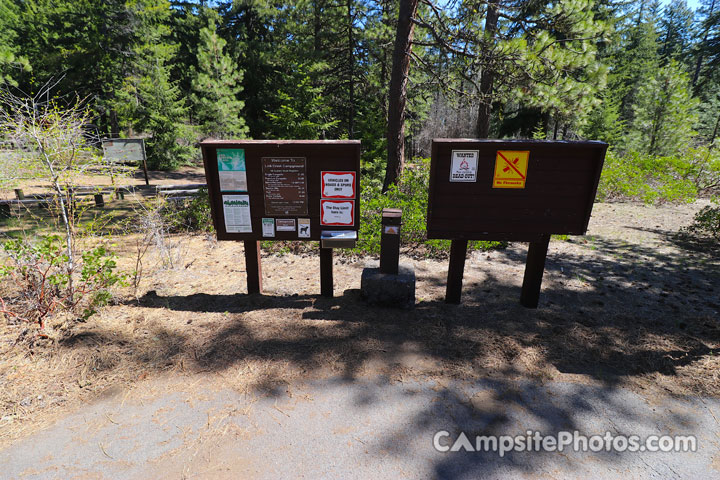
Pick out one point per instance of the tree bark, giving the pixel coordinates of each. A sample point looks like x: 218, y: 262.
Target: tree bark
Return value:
x: 351, y: 65
x: 715, y: 133
x: 487, y: 76
x: 698, y: 65
x: 398, y: 92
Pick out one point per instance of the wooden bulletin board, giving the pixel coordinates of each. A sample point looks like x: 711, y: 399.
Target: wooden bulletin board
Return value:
x: 282, y: 189
x: 512, y: 190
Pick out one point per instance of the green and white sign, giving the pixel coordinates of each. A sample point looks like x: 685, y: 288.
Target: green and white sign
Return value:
x: 231, y: 169
x: 236, y: 210
x: 268, y: 227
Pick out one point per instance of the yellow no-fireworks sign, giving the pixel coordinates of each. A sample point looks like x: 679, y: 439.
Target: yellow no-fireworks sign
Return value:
x: 510, y: 169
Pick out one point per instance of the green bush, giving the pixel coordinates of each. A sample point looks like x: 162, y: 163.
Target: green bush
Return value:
x: 653, y: 180
x: 411, y: 196
x: 43, y: 283
x: 706, y: 224
x: 189, y: 215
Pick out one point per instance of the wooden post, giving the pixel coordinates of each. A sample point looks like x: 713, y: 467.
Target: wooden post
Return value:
x: 534, y: 268
x: 390, y: 240
x: 144, y: 155
x: 326, y: 272
x: 19, y: 194
x: 456, y: 266
x: 253, y: 266
x: 99, y: 200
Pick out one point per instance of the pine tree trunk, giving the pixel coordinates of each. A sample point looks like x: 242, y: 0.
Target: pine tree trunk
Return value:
x: 488, y: 75
x: 698, y: 66
x: 715, y: 133
x: 351, y: 64
x: 398, y: 92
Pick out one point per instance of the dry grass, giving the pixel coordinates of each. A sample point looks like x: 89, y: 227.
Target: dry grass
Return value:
x: 624, y: 306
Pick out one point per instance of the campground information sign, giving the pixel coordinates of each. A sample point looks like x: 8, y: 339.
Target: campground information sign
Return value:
x: 282, y: 190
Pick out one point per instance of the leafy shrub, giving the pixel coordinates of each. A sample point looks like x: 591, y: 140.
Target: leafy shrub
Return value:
x: 189, y: 215
x: 411, y: 196
x: 42, y: 282
x: 706, y: 224
x: 653, y: 179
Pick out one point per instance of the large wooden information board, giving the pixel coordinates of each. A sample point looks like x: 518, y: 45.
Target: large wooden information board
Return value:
x: 283, y: 190
x: 510, y: 190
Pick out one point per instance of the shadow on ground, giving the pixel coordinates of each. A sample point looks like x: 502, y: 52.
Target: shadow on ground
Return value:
x: 624, y: 311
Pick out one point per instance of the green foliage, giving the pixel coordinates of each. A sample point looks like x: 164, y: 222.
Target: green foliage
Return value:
x: 191, y: 215
x: 150, y: 99
x: 706, y: 224
x: 303, y: 111
x: 216, y: 85
x: 10, y: 61
x: 42, y: 285
x: 654, y: 179
x: 664, y: 113
x: 411, y: 196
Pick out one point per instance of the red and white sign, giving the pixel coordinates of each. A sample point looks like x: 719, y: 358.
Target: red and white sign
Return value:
x: 337, y: 212
x: 337, y: 184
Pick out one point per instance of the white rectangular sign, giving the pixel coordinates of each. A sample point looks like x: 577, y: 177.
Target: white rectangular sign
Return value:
x: 338, y: 184
x: 304, y: 227
x: 268, y: 227
x: 236, y: 210
x: 337, y: 212
x: 463, y: 166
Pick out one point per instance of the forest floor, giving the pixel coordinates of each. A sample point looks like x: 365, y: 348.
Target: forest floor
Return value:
x: 625, y: 307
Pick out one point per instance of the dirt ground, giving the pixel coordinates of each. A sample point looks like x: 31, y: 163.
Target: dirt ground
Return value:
x: 625, y: 305
x: 183, y: 175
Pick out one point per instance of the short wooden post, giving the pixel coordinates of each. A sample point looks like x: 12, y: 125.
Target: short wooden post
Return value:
x: 326, y: 272
x: 534, y: 268
x: 19, y: 194
x: 144, y: 160
x: 99, y: 200
x: 456, y: 266
x: 390, y: 240
x: 253, y: 266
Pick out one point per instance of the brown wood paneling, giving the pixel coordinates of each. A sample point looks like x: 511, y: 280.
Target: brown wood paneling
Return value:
x: 321, y: 155
x: 559, y: 191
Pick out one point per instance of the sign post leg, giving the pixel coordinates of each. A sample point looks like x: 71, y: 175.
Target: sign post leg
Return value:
x: 326, y: 272
x: 456, y: 266
x: 253, y: 267
x: 534, y: 272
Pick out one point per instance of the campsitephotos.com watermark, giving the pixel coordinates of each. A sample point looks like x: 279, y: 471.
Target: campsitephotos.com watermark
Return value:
x: 534, y: 441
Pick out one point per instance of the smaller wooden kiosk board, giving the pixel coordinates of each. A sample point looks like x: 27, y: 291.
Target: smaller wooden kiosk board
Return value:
x: 283, y: 190
x: 513, y: 190
x: 126, y: 151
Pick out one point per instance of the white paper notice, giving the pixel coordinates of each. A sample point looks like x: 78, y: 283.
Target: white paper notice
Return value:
x: 337, y: 212
x: 338, y: 184
x: 231, y: 169
x: 304, y: 227
x: 464, y: 165
x: 236, y: 210
x: 268, y: 227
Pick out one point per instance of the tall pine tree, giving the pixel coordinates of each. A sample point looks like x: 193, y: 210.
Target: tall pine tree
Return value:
x: 215, y: 85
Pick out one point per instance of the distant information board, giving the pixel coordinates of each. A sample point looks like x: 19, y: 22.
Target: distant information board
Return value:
x: 282, y: 190
x: 124, y: 150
